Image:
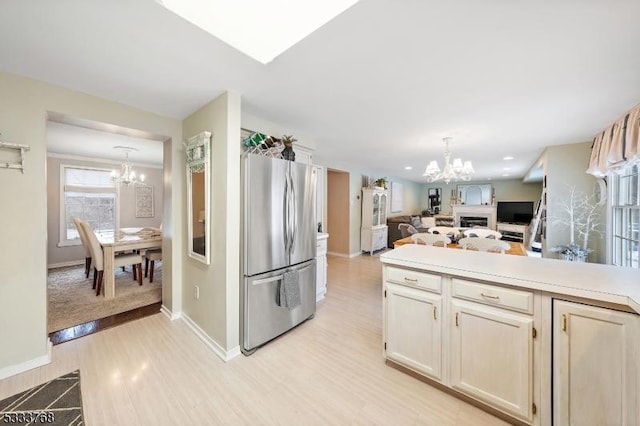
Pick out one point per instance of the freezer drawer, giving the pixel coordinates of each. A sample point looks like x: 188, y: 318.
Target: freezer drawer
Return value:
x: 262, y: 318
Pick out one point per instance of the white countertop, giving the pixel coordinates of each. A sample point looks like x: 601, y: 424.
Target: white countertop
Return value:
x: 604, y: 283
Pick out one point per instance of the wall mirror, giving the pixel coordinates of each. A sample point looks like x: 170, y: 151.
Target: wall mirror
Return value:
x: 197, y: 153
x: 475, y: 195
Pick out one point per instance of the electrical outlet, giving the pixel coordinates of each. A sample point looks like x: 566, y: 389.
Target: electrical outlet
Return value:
x: 196, y: 292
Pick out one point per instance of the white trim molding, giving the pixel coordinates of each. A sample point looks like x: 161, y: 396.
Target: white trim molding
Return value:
x: 12, y: 370
x: 210, y: 342
x: 171, y: 315
x: 64, y: 264
x: 348, y: 256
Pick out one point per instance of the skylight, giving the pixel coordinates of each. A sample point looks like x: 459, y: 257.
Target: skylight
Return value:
x: 261, y: 29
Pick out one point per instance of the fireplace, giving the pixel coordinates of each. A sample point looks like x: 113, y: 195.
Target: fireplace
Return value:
x: 468, y: 216
x: 471, y: 221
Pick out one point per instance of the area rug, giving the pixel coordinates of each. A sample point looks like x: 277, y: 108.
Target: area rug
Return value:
x: 72, y: 301
x: 58, y: 402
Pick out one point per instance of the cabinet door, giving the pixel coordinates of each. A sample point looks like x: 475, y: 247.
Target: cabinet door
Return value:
x: 492, y: 357
x: 595, y: 364
x: 303, y: 154
x: 375, y: 218
x: 379, y: 238
x: 414, y: 329
x: 383, y: 209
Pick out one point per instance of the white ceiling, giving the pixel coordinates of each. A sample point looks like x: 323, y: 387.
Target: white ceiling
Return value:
x: 378, y: 86
x: 67, y: 139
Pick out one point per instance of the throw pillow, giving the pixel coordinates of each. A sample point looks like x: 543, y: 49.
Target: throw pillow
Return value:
x: 415, y: 222
x: 428, y: 222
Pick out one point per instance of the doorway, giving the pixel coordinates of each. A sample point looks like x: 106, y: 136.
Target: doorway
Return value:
x: 83, y: 160
x: 338, y: 217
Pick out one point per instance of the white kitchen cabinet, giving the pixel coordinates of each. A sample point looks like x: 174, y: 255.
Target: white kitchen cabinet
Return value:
x: 373, y: 233
x: 321, y: 266
x: 414, y: 329
x: 517, y: 348
x: 595, y: 364
x: 303, y: 154
x: 492, y: 356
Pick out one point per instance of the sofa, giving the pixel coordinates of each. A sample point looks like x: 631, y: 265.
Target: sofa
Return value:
x: 421, y: 223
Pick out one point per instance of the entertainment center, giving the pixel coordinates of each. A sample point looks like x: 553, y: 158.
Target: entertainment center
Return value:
x: 514, y: 232
x: 514, y: 218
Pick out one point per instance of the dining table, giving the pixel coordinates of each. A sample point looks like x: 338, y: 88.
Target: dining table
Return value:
x: 125, y: 239
x: 515, y: 248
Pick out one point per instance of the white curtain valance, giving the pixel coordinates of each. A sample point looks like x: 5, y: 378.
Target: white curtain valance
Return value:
x: 617, y: 145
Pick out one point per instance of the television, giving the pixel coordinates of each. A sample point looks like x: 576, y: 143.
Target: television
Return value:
x: 515, y: 211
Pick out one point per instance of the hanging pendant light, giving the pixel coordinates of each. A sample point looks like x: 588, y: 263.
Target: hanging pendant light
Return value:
x: 127, y: 175
x: 458, y: 170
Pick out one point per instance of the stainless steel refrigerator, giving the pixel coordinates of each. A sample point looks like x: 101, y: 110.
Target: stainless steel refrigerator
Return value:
x: 279, y: 237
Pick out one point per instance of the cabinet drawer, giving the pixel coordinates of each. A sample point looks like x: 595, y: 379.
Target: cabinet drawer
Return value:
x: 415, y: 279
x: 517, y: 300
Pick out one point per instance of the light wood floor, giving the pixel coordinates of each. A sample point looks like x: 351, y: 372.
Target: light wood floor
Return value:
x: 329, y: 370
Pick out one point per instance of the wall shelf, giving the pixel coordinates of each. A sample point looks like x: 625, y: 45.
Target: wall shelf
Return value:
x: 13, y: 163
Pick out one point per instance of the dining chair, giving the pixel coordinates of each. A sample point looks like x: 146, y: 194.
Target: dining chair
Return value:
x: 151, y: 256
x: 445, y: 230
x: 436, y: 240
x: 482, y: 233
x: 134, y: 259
x: 83, y: 238
x: 406, y: 230
x: 484, y: 244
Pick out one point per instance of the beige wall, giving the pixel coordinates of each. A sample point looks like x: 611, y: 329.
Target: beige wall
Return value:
x: 411, y: 196
x: 216, y: 312
x: 564, y: 166
x: 57, y: 255
x: 338, y: 219
x: 24, y: 104
x: 505, y: 190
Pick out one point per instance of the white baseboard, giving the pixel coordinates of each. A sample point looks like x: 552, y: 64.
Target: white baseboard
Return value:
x: 171, y: 315
x: 348, y: 256
x: 211, y: 343
x: 12, y: 370
x: 63, y: 264
x: 320, y: 295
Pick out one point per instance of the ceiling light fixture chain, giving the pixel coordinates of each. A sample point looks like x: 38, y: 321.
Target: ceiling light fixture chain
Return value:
x: 458, y: 170
x: 127, y: 175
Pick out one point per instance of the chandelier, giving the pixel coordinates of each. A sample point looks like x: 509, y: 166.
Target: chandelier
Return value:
x: 456, y: 171
x: 127, y: 175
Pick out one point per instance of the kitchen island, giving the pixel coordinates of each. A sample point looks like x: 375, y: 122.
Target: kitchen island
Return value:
x: 493, y: 328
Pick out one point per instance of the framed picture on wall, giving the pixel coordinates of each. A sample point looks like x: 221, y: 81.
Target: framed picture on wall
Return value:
x: 434, y: 197
x: 144, y: 201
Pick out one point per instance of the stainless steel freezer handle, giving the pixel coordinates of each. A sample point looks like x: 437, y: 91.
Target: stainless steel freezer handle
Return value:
x: 294, y: 221
x: 267, y: 280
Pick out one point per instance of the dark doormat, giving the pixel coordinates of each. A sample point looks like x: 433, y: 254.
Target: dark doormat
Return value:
x: 58, y: 402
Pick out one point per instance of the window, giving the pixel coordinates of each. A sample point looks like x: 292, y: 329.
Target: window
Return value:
x: 88, y: 194
x: 625, y: 217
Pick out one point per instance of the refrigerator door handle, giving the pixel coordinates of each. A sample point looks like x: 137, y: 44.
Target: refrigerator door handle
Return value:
x: 286, y: 215
x: 290, y: 212
x: 294, y: 222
